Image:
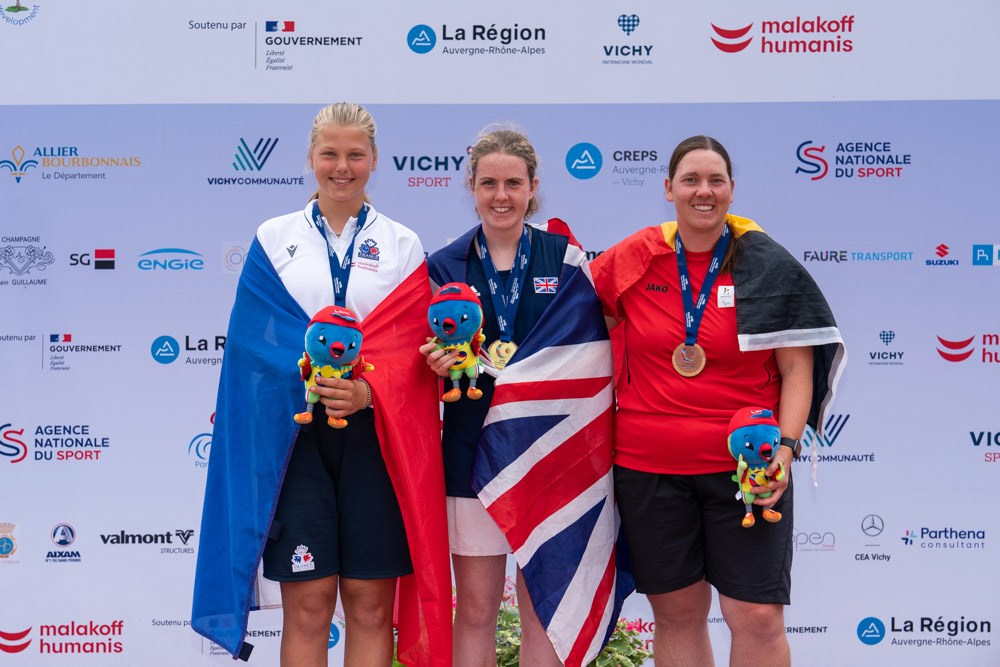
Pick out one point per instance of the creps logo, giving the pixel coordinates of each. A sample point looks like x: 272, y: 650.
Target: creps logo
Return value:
x: 628, y: 23
x: 584, y: 160
x: 254, y: 159
x: 421, y: 38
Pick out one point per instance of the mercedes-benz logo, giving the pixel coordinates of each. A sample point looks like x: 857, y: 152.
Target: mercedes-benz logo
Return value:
x: 872, y: 525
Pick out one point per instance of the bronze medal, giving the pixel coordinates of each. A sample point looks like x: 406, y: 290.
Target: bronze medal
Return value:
x: 689, y: 360
x: 501, y: 352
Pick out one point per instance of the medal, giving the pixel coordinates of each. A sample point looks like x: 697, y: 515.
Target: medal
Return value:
x: 500, y: 353
x: 689, y: 360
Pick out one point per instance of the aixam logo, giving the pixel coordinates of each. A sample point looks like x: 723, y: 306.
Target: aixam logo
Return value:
x: 488, y: 40
x: 852, y: 159
x: 13, y: 642
x: 628, y: 53
x: 584, y: 160
x: 63, y: 535
x: 941, y: 250
x: 247, y: 159
x: 14, y: 14
x: 429, y: 166
x: 789, y: 36
x: 11, y: 446
x: 885, y: 357
x: 20, y: 256
x: 831, y: 431
x: 956, y: 351
x: 18, y: 167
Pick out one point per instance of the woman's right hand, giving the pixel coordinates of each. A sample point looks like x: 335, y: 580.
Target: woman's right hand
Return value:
x: 439, y: 360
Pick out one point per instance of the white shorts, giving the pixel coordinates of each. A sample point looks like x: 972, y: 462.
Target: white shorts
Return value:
x: 472, y: 531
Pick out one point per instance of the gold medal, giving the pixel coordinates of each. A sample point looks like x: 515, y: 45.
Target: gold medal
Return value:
x: 689, y: 360
x: 501, y: 352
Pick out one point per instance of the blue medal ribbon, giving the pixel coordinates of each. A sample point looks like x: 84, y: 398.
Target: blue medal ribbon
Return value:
x: 505, y: 297
x: 340, y: 270
x: 694, y: 311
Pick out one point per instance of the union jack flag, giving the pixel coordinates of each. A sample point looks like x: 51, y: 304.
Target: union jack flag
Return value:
x: 543, y: 470
x: 546, y: 285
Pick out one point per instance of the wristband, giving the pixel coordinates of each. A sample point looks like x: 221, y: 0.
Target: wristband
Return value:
x: 368, y: 392
x: 794, y: 445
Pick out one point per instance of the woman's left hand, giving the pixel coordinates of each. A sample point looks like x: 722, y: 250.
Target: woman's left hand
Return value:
x: 340, y: 397
x: 775, y: 486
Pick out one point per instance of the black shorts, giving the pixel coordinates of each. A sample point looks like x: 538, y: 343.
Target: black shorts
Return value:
x: 685, y: 528
x: 337, y: 513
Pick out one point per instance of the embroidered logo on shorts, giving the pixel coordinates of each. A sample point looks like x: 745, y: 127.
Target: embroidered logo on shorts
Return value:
x: 369, y: 250
x: 546, y: 285
x: 302, y: 561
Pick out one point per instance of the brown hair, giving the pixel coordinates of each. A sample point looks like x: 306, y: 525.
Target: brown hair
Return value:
x: 506, y: 142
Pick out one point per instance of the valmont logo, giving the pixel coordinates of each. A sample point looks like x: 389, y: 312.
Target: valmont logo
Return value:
x: 18, y: 167
x: 789, y: 36
x: 421, y: 38
x: 165, y: 349
x: 12, y: 447
x: 248, y: 159
x: 171, y: 259
x: 942, y: 250
x: 871, y: 631
x: 14, y: 15
x: 852, y: 159
x: 584, y: 160
x: 628, y: 53
x: 985, y: 255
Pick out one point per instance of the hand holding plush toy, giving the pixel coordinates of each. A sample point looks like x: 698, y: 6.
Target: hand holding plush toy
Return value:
x: 754, y: 437
x: 456, y: 318
x: 333, y: 350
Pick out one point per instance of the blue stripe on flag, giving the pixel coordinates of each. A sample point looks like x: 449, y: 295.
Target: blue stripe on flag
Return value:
x: 507, y: 440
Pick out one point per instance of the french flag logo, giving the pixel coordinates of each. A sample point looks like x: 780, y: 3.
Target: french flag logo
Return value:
x: 279, y: 26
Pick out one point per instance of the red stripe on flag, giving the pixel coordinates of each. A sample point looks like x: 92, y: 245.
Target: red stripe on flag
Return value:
x: 104, y: 253
x: 548, y: 390
x: 590, y: 627
x: 568, y: 471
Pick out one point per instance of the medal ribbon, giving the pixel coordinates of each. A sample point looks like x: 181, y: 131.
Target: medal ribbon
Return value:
x: 505, y: 297
x: 694, y: 311
x: 340, y: 270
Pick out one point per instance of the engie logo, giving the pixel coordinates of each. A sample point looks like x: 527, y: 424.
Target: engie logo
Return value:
x: 421, y: 38
x: 791, y: 36
x: 429, y: 164
x: 11, y: 446
x: 171, y: 259
x: 851, y: 159
x: 584, y: 160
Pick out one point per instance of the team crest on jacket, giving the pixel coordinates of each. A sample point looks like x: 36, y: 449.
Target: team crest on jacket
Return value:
x: 369, y: 250
x: 546, y: 285
x: 302, y: 560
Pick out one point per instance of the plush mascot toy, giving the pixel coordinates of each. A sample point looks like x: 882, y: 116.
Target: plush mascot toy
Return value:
x: 456, y: 318
x: 753, y: 441
x: 333, y: 350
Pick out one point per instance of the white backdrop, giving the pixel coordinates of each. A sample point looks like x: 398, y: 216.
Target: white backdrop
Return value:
x: 119, y: 141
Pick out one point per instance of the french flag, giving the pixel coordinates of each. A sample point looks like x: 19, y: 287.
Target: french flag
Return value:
x: 279, y: 26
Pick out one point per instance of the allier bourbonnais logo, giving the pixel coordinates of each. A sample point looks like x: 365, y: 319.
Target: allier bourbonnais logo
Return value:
x: 18, y: 14
x: 18, y: 166
x: 791, y: 36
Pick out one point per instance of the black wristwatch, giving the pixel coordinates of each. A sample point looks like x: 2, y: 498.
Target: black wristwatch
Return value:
x: 794, y: 445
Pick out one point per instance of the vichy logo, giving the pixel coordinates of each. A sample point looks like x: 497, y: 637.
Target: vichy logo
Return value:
x: 584, y: 160
x: 628, y: 54
x: 18, y: 167
x: 165, y: 349
x: 985, y: 255
x: 421, y: 38
x: 886, y: 357
x: 628, y: 23
x: 248, y: 159
x: 171, y: 259
x: 871, y: 631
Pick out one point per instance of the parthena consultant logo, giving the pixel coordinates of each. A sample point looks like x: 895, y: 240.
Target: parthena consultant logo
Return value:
x: 786, y: 36
x: 478, y: 39
x: 851, y: 159
x: 584, y: 160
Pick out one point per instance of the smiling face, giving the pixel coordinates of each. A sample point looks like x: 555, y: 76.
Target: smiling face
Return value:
x: 342, y: 159
x: 701, y: 191
x: 503, y: 190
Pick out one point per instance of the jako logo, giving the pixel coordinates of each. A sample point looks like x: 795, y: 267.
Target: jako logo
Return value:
x: 11, y: 446
x: 871, y: 631
x: 159, y: 260
x: 831, y: 429
x: 954, y: 356
x: 165, y: 349
x: 253, y: 160
x: 732, y: 46
x: 421, y: 38
x: 18, y: 166
x: 8, y: 641
x: 812, y: 159
x: 584, y: 160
